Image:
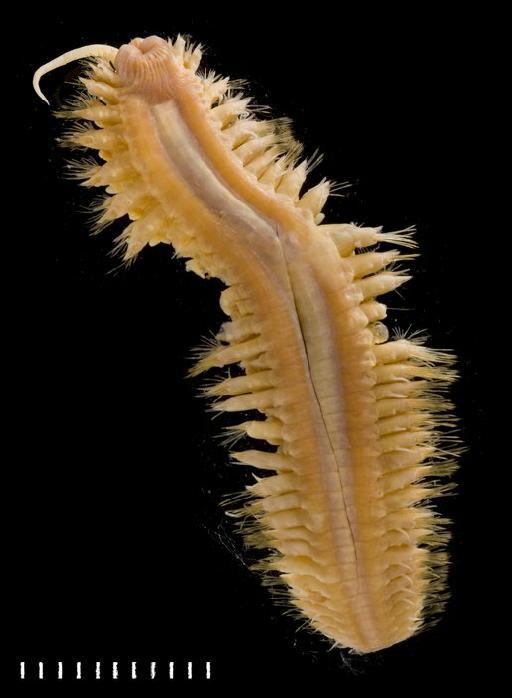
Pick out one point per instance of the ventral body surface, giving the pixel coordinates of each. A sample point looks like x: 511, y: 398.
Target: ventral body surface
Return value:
x: 342, y: 500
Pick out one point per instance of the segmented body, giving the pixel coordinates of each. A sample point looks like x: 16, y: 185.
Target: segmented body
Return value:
x: 353, y: 416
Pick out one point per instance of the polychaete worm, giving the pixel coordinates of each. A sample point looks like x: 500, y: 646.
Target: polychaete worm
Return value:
x: 356, y: 422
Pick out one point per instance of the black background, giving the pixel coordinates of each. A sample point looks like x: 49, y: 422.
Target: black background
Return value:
x: 119, y: 547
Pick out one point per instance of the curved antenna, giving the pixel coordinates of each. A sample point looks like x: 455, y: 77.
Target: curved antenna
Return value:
x: 94, y: 50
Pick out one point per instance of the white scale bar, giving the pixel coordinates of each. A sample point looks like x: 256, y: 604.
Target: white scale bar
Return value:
x: 115, y: 670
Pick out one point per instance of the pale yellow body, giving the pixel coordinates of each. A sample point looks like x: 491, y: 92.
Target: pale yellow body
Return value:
x: 351, y: 415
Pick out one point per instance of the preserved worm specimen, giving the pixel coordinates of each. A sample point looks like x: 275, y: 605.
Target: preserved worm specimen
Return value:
x: 356, y: 422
